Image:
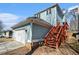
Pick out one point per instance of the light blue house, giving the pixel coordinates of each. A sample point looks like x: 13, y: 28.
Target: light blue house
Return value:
x: 74, y: 21
x: 32, y: 31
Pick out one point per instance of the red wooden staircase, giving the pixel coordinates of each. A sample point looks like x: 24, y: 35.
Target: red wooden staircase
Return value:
x: 56, y: 35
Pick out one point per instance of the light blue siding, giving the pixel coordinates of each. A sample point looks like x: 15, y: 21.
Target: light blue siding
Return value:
x: 50, y: 18
x: 38, y: 32
x: 43, y: 16
x: 59, y: 15
x: 53, y: 17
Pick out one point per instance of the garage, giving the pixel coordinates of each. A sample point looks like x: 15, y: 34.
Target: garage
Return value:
x: 30, y: 31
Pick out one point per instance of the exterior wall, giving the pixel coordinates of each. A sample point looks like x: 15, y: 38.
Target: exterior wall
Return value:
x: 23, y: 34
x: 38, y: 32
x: 43, y: 16
x: 53, y: 17
x: 50, y: 18
x: 59, y: 15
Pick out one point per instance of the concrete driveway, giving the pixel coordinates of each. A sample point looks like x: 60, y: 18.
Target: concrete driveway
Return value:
x: 9, y: 46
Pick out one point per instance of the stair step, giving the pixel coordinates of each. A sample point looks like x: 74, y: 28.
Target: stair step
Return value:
x: 51, y: 40
x: 51, y: 46
x: 51, y: 43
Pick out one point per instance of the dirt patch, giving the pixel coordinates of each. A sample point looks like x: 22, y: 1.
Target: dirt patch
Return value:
x: 44, y: 50
x: 71, y: 38
x: 67, y: 50
x: 63, y: 50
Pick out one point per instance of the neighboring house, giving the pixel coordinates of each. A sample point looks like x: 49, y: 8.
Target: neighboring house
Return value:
x: 7, y: 33
x: 74, y: 23
x: 51, y: 15
x: 31, y: 31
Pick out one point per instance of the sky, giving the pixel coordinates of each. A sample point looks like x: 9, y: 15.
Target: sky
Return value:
x: 12, y: 13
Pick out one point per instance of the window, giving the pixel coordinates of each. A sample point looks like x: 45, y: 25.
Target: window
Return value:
x: 48, y: 11
x: 25, y: 30
x: 38, y: 15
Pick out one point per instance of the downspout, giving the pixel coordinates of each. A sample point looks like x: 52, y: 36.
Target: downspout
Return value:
x: 55, y: 16
x: 31, y: 35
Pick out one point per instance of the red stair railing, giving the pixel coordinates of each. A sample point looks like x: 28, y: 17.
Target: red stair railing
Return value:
x: 56, y: 35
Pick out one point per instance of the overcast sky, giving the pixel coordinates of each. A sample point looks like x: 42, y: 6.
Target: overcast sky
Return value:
x: 13, y: 13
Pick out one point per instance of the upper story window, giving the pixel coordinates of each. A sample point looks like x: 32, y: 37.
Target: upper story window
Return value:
x: 38, y: 15
x: 48, y: 11
x: 35, y: 15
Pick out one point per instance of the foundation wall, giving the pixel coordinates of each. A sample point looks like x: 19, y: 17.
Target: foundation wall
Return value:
x: 29, y: 46
x: 33, y: 45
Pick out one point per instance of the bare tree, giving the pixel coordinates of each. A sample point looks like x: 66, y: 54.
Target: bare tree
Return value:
x: 1, y: 26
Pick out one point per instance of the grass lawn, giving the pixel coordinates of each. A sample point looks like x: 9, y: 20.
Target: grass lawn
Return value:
x: 6, y: 39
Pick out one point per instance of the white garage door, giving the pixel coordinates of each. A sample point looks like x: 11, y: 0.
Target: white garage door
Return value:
x: 20, y: 36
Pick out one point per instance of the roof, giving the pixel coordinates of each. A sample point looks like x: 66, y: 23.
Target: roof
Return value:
x: 55, y: 5
x: 34, y: 20
x: 73, y: 7
x: 6, y: 30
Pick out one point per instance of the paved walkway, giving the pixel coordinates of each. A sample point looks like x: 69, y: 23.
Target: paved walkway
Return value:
x: 19, y: 51
x: 9, y: 46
